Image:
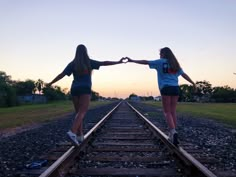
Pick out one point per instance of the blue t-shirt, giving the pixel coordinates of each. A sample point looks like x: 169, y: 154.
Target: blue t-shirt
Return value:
x: 83, y: 80
x: 166, y: 76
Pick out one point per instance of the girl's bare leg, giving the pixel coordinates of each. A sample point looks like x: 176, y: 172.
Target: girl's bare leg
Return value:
x: 174, y: 100
x: 75, y: 100
x: 82, y: 107
x: 166, y: 103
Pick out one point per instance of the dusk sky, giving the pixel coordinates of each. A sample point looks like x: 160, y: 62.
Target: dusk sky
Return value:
x: 39, y: 38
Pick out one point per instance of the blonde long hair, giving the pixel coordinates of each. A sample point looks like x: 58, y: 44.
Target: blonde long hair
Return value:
x: 168, y: 54
x: 82, y: 61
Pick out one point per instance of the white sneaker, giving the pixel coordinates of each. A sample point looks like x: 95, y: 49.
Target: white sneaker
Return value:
x: 80, y: 139
x: 73, y: 137
x: 175, y: 140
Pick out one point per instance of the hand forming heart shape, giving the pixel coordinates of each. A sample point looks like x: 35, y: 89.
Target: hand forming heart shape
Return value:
x: 124, y: 60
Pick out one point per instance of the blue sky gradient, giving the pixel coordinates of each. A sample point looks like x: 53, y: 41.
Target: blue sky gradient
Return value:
x: 39, y: 38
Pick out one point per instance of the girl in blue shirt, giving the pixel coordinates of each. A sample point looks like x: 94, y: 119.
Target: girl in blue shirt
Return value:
x: 81, y: 67
x: 168, y: 71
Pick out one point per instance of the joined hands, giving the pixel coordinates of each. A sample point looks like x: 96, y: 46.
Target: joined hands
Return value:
x: 125, y: 60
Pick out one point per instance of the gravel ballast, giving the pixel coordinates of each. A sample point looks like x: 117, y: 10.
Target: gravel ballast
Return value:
x: 212, y: 137
x: 26, y: 147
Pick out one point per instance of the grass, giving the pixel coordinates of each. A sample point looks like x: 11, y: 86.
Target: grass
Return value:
x: 224, y: 112
x: 36, y: 113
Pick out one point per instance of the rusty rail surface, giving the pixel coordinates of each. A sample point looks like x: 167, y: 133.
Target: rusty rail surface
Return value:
x: 126, y: 143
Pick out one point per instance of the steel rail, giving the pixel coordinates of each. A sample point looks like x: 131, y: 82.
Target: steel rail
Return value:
x: 57, y: 169
x: 189, y: 160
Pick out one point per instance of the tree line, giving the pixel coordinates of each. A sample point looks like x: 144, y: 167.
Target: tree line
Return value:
x: 204, y: 92
x: 11, y: 89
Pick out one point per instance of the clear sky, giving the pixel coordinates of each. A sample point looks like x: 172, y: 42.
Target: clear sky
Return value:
x: 39, y: 38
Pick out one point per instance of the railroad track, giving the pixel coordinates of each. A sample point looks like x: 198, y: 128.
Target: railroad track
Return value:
x: 125, y: 143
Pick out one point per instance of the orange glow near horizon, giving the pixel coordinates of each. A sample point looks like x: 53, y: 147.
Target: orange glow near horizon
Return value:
x: 39, y: 46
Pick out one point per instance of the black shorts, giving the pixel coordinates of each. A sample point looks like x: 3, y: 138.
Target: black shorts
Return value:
x: 77, y: 91
x: 170, y: 91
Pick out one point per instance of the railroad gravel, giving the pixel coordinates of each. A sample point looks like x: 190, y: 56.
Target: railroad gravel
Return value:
x: 212, y: 138
x: 25, y: 147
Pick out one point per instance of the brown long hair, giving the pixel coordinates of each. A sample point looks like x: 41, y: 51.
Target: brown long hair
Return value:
x: 168, y: 54
x: 82, y: 61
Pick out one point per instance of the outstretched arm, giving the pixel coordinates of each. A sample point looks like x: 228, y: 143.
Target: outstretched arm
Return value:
x: 107, y: 63
x: 186, y: 77
x: 143, y: 62
x: 57, y: 78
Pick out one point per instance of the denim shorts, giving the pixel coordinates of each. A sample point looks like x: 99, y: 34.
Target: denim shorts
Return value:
x: 77, y: 91
x: 170, y: 91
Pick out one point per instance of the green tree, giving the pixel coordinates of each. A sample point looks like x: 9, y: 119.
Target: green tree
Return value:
x: 4, y: 78
x: 204, y: 90
x: 54, y: 93
x: 7, y: 92
x: 94, y: 96
x: 24, y: 87
x: 39, y: 84
x: 132, y: 95
x: 224, y: 94
x: 186, y: 93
